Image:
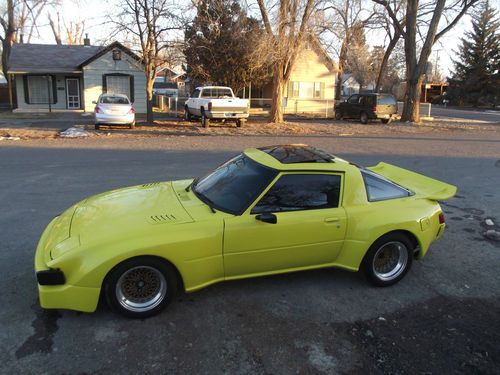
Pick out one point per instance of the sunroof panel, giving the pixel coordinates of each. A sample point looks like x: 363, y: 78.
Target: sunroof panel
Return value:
x: 290, y: 154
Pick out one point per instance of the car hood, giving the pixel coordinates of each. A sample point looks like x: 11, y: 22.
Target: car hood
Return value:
x: 127, y: 211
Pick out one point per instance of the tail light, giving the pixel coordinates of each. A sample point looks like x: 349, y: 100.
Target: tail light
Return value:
x: 441, y: 218
x: 210, y: 106
x: 374, y: 109
x: 132, y: 110
x: 97, y: 109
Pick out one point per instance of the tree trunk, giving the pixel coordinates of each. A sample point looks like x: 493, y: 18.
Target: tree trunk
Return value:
x: 385, y: 60
x: 10, y: 37
x: 149, y: 101
x: 411, y: 109
x: 277, y: 110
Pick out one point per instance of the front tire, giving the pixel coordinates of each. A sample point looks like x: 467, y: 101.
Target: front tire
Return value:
x: 140, y: 287
x: 388, y: 259
x: 132, y: 125
x: 239, y: 123
x: 187, y: 115
x: 339, y: 115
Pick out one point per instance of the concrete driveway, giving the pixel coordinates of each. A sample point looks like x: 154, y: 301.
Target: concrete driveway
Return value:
x: 442, y: 318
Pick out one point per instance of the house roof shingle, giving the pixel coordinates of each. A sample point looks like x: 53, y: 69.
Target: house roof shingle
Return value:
x: 49, y: 58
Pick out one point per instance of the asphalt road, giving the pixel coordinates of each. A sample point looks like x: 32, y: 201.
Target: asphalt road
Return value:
x: 466, y: 114
x: 442, y: 318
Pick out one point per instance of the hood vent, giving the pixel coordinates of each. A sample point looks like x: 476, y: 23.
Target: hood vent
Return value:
x: 152, y: 184
x: 165, y: 218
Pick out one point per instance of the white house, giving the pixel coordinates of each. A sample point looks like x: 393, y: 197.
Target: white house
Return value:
x: 71, y: 77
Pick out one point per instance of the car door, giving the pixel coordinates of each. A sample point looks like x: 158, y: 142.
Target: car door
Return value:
x: 353, y: 106
x: 193, y: 106
x: 309, y: 230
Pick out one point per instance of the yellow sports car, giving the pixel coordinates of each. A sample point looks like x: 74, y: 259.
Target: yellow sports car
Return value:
x: 267, y: 211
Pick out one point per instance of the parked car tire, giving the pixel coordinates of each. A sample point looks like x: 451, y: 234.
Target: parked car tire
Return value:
x: 97, y: 127
x: 132, y: 125
x: 386, y: 120
x: 339, y: 115
x: 187, y: 115
x: 363, y: 117
x: 240, y: 123
x: 388, y: 259
x: 140, y: 287
x: 205, y: 121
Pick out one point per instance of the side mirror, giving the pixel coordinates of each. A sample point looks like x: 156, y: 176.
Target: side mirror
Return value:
x: 94, y: 102
x: 267, y: 218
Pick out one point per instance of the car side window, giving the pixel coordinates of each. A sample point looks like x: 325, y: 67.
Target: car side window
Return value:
x: 295, y: 192
x: 378, y: 188
x: 195, y: 94
x: 353, y: 99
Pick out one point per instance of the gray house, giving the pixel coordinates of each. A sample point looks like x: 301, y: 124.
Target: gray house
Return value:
x: 68, y: 77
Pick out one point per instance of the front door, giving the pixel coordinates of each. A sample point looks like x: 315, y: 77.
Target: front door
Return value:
x: 73, y: 93
x: 309, y: 231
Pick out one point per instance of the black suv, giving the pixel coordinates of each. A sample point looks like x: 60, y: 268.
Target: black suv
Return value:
x: 368, y: 107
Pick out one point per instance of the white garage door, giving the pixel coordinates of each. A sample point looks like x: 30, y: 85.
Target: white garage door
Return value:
x: 118, y: 85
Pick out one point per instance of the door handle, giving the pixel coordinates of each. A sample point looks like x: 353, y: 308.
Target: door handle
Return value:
x: 332, y: 220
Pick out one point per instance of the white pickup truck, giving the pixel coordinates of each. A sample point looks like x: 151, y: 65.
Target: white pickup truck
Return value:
x: 216, y: 103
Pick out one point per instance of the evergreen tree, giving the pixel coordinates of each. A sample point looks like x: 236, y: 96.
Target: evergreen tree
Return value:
x: 224, y: 46
x: 476, y: 79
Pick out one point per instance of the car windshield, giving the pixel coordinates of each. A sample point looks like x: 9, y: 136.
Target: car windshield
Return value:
x: 234, y: 185
x: 114, y: 100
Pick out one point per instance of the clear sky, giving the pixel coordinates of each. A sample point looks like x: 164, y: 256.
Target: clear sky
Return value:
x: 95, y: 12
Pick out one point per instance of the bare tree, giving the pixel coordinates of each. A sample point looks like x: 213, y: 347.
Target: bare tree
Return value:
x: 287, y: 38
x: 73, y: 31
x: 149, y: 24
x: 430, y: 13
x: 347, y: 16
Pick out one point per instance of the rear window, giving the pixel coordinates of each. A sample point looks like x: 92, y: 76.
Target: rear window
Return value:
x: 379, y: 188
x: 114, y: 100
x: 216, y: 92
x: 386, y: 100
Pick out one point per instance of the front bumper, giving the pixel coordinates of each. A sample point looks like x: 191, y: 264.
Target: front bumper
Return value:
x: 61, y: 296
x: 101, y: 118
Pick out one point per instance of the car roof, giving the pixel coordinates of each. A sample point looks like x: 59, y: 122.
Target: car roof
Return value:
x: 212, y: 87
x: 297, y: 157
x: 119, y: 95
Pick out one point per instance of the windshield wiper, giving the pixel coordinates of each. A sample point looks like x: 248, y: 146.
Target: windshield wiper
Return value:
x: 191, y: 184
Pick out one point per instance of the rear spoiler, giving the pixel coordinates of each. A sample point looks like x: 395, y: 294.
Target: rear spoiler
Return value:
x: 423, y: 186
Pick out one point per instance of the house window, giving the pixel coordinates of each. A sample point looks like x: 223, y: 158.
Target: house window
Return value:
x: 117, y: 54
x: 37, y: 89
x: 306, y: 90
x: 119, y: 84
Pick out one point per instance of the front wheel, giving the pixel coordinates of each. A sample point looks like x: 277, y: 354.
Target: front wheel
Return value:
x: 187, y: 115
x: 388, y: 259
x: 239, y: 123
x: 132, y: 125
x: 140, y: 287
x: 339, y: 115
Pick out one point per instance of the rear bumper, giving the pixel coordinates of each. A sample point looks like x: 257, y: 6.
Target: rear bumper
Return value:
x: 226, y: 115
x: 101, y: 118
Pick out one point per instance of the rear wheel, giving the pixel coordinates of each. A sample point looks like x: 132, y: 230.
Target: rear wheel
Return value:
x: 386, y: 120
x: 240, y: 123
x: 205, y: 121
x: 140, y: 287
x: 132, y: 125
x: 339, y: 115
x: 97, y: 126
x: 363, y: 117
x: 388, y: 259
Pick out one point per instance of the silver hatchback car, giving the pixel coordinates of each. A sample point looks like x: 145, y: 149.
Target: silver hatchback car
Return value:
x: 114, y: 109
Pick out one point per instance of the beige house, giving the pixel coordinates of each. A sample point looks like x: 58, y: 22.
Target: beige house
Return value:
x: 311, y: 88
x: 71, y: 77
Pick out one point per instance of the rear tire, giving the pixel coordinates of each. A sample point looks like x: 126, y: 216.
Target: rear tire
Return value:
x: 363, y: 117
x: 97, y: 127
x: 240, y: 123
x: 388, y: 260
x: 140, y: 287
x: 205, y: 121
x: 386, y: 120
x: 132, y: 125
